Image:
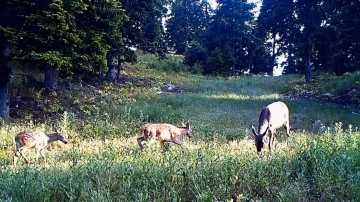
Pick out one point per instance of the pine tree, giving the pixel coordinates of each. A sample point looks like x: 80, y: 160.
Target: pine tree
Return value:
x: 144, y: 29
x: 344, y: 20
x: 275, y: 27
x: 230, y: 30
x: 187, y: 23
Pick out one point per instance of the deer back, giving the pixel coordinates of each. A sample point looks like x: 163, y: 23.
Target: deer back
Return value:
x: 273, y: 116
x: 164, y: 131
x: 31, y: 139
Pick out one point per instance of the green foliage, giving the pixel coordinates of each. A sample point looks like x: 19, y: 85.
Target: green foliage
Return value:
x: 172, y: 63
x: 227, y: 40
x: 196, y: 54
x: 345, y: 50
x: 188, y: 22
x: 319, y: 31
x: 144, y: 29
x: 217, y: 63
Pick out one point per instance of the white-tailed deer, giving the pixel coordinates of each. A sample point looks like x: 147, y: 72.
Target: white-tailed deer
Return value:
x: 163, y: 132
x: 272, y: 117
x: 37, y: 140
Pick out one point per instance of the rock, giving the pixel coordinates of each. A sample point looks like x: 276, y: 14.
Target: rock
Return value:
x: 327, y: 95
x: 168, y: 88
x: 319, y: 126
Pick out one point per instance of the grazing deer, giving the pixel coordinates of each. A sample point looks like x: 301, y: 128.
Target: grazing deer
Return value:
x: 38, y: 140
x: 272, y: 117
x: 163, y: 132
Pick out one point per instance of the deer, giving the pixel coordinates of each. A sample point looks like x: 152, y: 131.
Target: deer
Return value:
x: 37, y: 140
x: 163, y: 132
x: 272, y: 117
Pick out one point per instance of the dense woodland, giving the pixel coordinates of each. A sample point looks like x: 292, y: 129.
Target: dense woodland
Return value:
x: 69, y: 38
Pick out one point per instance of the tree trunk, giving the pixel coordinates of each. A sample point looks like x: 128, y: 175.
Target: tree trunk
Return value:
x: 111, y: 74
x: 112, y: 63
x: 4, y: 100
x: 308, y: 78
x: 4, y: 79
x: 233, y: 70
x: 51, y: 76
x: 274, y: 53
x: 120, y: 67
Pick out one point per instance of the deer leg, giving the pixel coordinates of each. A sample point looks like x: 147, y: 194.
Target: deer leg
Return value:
x: 42, y: 153
x: 274, y: 141
x: 162, y: 143
x: 16, y: 157
x: 140, y: 140
x: 270, y: 141
x: 178, y: 142
x: 22, y: 152
x: 287, y: 127
x: 37, y: 154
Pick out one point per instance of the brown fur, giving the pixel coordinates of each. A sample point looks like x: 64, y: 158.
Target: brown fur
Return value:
x: 37, y: 140
x: 163, y: 132
x: 272, y: 117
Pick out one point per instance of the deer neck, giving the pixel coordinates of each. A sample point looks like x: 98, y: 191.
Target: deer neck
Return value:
x: 52, y: 137
x: 183, y: 131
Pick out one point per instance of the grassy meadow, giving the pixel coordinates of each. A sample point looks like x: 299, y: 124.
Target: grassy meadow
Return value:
x: 102, y: 161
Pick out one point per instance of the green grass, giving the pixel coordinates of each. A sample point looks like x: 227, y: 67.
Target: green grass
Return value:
x: 102, y: 162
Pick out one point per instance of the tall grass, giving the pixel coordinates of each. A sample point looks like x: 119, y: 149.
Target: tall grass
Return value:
x: 102, y: 162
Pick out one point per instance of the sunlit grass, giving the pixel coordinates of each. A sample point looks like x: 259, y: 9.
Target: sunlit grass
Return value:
x: 238, y: 97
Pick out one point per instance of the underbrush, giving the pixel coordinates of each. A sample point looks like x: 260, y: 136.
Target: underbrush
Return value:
x: 344, y: 90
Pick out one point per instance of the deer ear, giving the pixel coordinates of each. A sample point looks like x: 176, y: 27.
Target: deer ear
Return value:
x: 187, y: 125
x: 183, y: 125
x: 253, y: 130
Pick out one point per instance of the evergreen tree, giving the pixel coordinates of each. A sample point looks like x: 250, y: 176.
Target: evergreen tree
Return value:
x: 48, y: 37
x: 309, y: 18
x: 144, y: 29
x: 230, y: 31
x: 5, y: 69
x: 187, y: 22
x: 197, y: 55
x: 8, y: 26
x: 275, y: 27
x: 344, y: 19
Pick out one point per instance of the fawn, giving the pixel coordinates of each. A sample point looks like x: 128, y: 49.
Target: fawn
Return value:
x: 38, y: 140
x: 163, y: 132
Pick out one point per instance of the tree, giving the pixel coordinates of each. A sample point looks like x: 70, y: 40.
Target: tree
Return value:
x: 4, y: 76
x: 5, y: 70
x: 196, y: 55
x: 144, y: 29
x: 48, y: 38
x: 275, y: 27
x: 230, y: 33
x: 344, y: 21
x: 309, y: 18
x: 187, y: 22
